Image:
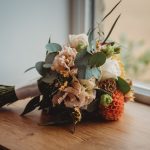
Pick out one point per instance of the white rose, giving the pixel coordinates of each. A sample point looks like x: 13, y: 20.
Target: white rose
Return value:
x: 110, y: 69
x: 79, y: 41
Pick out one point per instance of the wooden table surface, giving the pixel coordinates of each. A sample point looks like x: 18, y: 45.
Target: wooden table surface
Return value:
x: 132, y: 132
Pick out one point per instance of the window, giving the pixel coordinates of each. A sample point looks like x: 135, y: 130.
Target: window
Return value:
x: 132, y: 31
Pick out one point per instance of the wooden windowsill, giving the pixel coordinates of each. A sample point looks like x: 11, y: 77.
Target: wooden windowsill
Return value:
x: 131, y: 132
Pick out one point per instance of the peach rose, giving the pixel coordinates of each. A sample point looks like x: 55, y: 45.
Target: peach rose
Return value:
x: 64, y: 62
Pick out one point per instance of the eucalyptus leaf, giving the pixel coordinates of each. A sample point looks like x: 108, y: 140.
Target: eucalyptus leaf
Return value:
x: 81, y: 54
x: 81, y: 62
x: 92, y: 72
x: 49, y: 78
x: 49, y: 40
x: 97, y: 59
x: 82, y: 58
x: 31, y: 105
x: 47, y: 66
x: 29, y: 69
x: 40, y: 69
x: 92, y: 47
x: 81, y: 71
x: 89, y: 49
x: 50, y: 58
x: 90, y: 36
x: 123, y: 85
x: 53, y: 47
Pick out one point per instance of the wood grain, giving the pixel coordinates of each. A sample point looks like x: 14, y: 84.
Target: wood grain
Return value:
x: 131, y: 132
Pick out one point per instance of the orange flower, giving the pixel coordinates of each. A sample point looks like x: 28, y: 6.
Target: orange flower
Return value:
x: 115, y: 110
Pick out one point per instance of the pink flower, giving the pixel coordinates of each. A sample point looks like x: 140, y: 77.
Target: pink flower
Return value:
x: 75, y: 95
x: 64, y: 62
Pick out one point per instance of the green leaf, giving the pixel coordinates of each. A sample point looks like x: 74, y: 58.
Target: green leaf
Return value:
x: 53, y: 47
x: 92, y: 47
x: 81, y: 62
x: 84, y: 56
x: 50, y: 58
x: 29, y: 69
x: 81, y: 54
x: 47, y: 66
x: 89, y: 49
x: 40, y: 69
x: 97, y: 59
x: 123, y: 85
x: 81, y: 71
x: 90, y: 36
x: 49, y: 78
x: 49, y: 41
x: 92, y: 72
x: 31, y: 105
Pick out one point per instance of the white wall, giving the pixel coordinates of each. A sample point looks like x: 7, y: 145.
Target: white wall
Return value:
x: 25, y: 26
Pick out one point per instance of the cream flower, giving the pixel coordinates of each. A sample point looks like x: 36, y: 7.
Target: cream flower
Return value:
x: 64, y: 62
x: 75, y: 95
x: 110, y: 69
x: 88, y: 84
x: 79, y: 41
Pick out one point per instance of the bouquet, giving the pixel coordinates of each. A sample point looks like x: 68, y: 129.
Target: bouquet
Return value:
x: 81, y: 79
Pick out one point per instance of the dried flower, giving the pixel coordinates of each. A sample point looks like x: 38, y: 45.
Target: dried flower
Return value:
x: 108, y: 85
x: 76, y: 114
x: 74, y: 95
x: 129, y: 96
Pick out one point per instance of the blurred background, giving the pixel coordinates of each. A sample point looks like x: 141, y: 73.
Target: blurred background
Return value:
x: 26, y: 25
x: 133, y: 33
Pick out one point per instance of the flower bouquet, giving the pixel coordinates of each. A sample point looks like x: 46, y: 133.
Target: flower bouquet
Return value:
x: 80, y: 79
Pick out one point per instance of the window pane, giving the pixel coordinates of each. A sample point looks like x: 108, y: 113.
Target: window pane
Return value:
x: 133, y: 32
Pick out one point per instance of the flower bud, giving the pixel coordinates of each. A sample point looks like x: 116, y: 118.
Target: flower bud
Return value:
x: 105, y: 100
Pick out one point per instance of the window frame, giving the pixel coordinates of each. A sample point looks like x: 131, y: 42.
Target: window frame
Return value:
x: 142, y: 92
